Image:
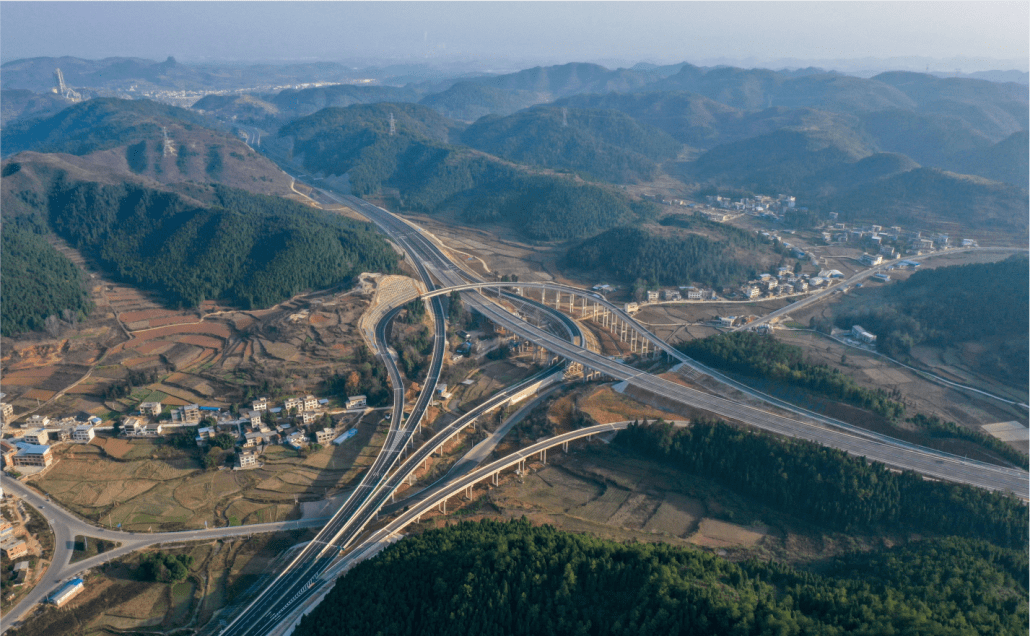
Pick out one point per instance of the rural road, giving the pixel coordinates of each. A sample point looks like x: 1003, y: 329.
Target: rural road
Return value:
x: 66, y: 526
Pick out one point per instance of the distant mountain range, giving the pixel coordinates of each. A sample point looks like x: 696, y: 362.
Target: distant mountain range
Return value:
x: 821, y: 136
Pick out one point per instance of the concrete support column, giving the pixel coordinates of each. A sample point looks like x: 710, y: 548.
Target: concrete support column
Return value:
x: 425, y: 464
x: 565, y: 447
x: 543, y: 456
x: 468, y: 492
x: 443, y: 506
x: 495, y: 478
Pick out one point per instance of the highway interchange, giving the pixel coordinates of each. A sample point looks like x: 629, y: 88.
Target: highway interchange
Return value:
x: 316, y: 565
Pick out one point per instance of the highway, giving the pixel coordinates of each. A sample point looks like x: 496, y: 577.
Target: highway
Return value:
x: 293, y: 583
x: 316, y: 562
x: 861, y: 443
x: 297, y: 582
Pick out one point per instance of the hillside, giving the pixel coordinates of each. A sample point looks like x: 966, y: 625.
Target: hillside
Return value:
x: 97, y: 124
x: 932, y: 198
x: 687, y: 117
x: 552, y: 82
x: 36, y: 282
x: 602, y: 144
x: 996, y: 109
x: 786, y: 160
x: 1007, y: 161
x: 223, y: 243
x: 431, y: 175
x: 513, y: 578
x: 129, y: 137
x: 305, y: 101
x: 246, y: 109
x: 684, y: 250
x: 22, y: 104
x: 986, y: 304
x: 468, y: 101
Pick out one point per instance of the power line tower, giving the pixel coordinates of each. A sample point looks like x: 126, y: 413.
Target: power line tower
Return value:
x: 393, y: 125
x: 565, y: 117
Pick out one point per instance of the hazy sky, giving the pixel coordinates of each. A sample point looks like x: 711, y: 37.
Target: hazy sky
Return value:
x: 967, y: 35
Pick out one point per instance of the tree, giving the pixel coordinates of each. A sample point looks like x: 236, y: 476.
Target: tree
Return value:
x: 213, y: 457
x: 455, y: 308
x: 224, y: 441
x: 353, y: 384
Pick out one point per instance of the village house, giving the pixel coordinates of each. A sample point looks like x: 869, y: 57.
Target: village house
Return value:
x: 246, y: 458
x: 150, y: 409
x: 83, y: 433
x: 356, y: 402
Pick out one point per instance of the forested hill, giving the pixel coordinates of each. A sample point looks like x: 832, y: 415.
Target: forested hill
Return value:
x: 711, y: 254
x: 602, y: 144
x: 97, y: 124
x: 987, y: 303
x: 432, y: 175
x: 468, y: 101
x: 935, y: 199
x: 516, y: 579
x: 336, y: 140
x: 242, y: 248
x: 143, y: 138
x: 36, y: 282
x: 306, y: 101
x: 22, y: 104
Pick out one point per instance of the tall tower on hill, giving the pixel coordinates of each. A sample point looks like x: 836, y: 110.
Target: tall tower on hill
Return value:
x: 59, y: 80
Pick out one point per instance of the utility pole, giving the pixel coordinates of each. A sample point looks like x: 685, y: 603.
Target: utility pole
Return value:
x: 393, y: 125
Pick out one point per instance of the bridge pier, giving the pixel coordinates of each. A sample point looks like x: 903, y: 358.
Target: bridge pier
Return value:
x: 543, y: 456
x: 443, y: 506
x: 468, y: 492
x: 522, y: 466
x: 411, y: 478
x: 495, y: 478
x: 565, y: 447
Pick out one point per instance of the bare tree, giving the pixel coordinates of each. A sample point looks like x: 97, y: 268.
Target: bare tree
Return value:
x: 70, y: 316
x: 53, y: 326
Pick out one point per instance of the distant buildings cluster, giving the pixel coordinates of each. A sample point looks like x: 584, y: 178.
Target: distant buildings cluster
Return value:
x: 893, y: 241
x: 784, y: 282
x: 760, y: 205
